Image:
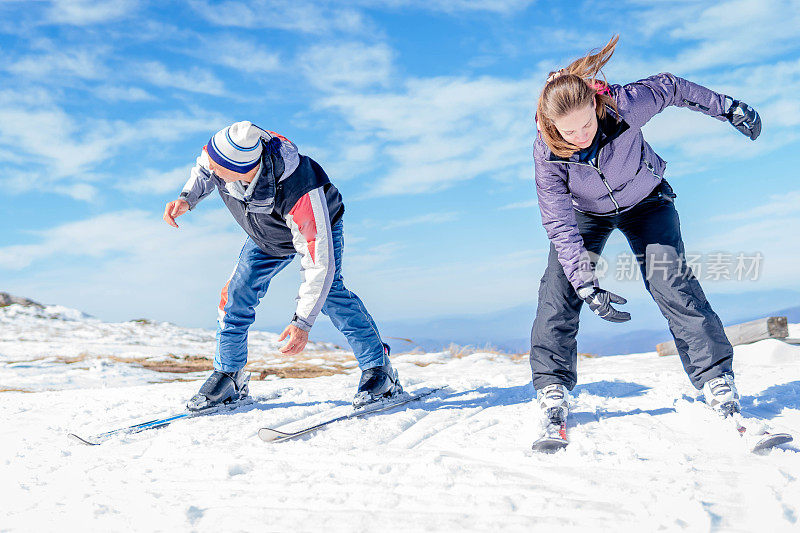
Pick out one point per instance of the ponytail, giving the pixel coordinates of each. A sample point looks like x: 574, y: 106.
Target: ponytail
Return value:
x: 571, y: 88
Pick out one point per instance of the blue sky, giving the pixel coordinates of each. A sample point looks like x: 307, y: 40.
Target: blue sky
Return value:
x: 420, y: 111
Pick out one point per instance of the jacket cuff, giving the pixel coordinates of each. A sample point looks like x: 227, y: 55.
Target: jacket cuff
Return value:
x: 185, y: 196
x: 585, y: 290
x: 594, y: 284
x: 300, y: 323
x: 727, y: 106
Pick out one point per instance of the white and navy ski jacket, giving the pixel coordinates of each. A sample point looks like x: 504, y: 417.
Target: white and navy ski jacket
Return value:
x: 288, y: 208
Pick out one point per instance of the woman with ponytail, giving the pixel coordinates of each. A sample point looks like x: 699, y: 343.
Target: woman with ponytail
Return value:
x: 596, y: 173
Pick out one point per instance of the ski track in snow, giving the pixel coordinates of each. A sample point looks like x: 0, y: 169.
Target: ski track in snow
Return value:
x: 645, y: 455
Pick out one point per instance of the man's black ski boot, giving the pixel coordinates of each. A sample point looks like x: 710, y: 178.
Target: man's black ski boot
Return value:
x: 377, y: 383
x: 220, y: 388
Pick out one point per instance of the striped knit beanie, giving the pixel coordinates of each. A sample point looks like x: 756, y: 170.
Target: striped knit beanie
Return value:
x: 237, y: 147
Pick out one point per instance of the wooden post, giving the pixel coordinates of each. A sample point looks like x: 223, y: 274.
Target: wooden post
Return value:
x: 774, y: 327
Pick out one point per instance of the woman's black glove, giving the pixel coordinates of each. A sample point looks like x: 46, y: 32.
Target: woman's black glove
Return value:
x: 743, y: 117
x: 600, y: 301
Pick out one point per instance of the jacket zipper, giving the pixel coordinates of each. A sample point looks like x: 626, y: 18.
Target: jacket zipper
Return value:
x: 650, y: 167
x: 602, y: 177
x: 695, y: 105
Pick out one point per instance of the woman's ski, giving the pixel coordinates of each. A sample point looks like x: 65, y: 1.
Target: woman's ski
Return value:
x: 758, y: 442
x: 554, y: 438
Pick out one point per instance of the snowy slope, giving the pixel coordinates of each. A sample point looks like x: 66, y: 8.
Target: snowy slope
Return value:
x: 645, y: 456
x: 33, y: 340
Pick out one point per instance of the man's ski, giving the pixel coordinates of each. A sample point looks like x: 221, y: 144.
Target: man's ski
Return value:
x: 274, y: 435
x: 95, y: 440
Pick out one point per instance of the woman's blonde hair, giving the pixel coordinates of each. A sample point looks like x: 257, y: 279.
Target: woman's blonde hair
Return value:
x: 571, y: 88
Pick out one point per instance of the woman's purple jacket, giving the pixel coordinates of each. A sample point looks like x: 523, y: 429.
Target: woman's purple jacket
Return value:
x: 627, y: 168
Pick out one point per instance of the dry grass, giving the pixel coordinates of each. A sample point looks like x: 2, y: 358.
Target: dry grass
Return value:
x: 297, y: 366
x: 66, y: 359
x: 297, y: 371
x: 291, y: 366
x: 458, y: 352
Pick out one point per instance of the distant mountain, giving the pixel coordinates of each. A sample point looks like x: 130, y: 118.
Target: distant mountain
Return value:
x: 791, y: 313
x: 9, y: 299
x: 509, y: 329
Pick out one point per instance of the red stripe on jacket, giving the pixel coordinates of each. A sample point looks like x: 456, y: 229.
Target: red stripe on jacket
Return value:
x: 303, y: 215
x: 278, y: 135
x: 223, y: 297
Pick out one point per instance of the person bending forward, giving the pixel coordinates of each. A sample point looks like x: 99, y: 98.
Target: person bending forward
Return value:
x: 596, y: 173
x: 286, y: 204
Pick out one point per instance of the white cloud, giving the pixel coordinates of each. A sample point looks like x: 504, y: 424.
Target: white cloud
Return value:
x: 429, y: 219
x: 347, y: 66
x: 732, y: 47
x: 451, y: 6
x: 122, y: 94
x: 770, y: 88
x: 95, y: 238
x: 67, y: 148
x: 373, y: 256
x: 58, y: 140
x: 241, y: 55
x: 131, y: 234
x: 728, y: 33
x: 129, y: 264
x: 771, y: 236
x: 739, y: 32
x: 83, y: 63
x: 77, y: 191
x: 765, y: 229
x: 321, y: 17
x: 436, y: 132
x: 697, y: 135
x: 292, y: 15
x: 33, y: 96
x: 156, y: 181
x: 499, y: 6
x: 86, y: 12
x: 526, y: 204
x: 779, y: 205
x: 195, y: 80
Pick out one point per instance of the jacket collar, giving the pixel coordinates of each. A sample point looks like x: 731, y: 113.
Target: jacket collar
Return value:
x: 263, y: 186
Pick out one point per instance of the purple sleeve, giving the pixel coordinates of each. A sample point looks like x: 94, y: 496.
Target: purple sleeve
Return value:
x: 558, y: 218
x: 641, y: 100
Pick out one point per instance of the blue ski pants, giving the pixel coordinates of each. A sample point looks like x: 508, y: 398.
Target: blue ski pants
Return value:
x: 249, y: 284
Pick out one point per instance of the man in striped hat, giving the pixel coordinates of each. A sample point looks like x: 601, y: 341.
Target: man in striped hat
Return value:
x: 286, y: 204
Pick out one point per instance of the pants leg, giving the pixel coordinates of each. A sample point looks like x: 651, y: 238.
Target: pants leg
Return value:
x: 240, y: 296
x: 653, y: 231
x: 348, y: 314
x: 554, y: 349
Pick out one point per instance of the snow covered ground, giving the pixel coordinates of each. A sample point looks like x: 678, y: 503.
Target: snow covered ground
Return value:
x: 36, y: 343
x: 645, y: 455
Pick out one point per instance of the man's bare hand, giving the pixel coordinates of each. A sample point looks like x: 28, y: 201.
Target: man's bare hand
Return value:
x: 175, y: 209
x: 297, y: 340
